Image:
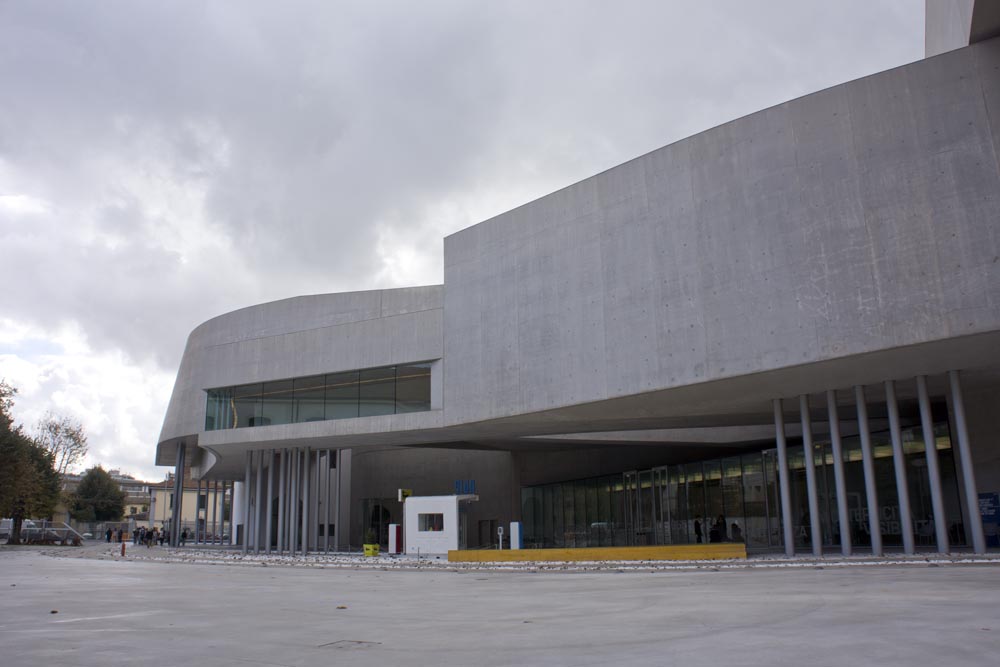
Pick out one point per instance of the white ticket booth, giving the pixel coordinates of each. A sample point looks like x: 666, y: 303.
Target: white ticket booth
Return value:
x: 435, y: 524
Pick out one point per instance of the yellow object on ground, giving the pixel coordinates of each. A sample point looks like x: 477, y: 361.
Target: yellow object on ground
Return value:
x: 371, y: 549
x: 670, y: 552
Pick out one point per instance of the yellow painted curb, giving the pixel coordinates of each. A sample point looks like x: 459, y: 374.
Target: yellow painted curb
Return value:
x: 670, y: 552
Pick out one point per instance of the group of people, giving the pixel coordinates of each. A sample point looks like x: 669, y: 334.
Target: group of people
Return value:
x: 717, y: 531
x: 140, y: 535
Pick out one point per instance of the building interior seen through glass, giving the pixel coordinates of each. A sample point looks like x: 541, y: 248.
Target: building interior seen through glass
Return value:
x: 736, y: 499
x: 361, y: 393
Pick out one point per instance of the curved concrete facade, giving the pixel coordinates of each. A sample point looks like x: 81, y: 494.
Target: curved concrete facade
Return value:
x: 299, y: 337
x: 836, y: 241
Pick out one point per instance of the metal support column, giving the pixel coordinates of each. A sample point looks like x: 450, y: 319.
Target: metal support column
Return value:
x: 227, y: 487
x: 258, y: 502
x: 933, y: 472
x: 178, y: 476
x: 337, y: 523
x: 899, y: 465
x: 868, y: 463
x: 293, y: 514
x: 246, y: 507
x: 838, y: 472
x: 267, y: 505
x: 965, y: 459
x: 215, y: 511
x: 306, y: 467
x: 786, y: 495
x: 197, y: 497
x: 809, y: 460
x: 179, y: 500
x: 281, y: 502
x: 326, y: 505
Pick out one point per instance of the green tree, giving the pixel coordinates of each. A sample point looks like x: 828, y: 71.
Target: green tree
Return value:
x: 97, y: 498
x: 29, y: 483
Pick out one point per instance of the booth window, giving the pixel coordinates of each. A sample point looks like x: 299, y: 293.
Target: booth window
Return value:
x: 430, y: 523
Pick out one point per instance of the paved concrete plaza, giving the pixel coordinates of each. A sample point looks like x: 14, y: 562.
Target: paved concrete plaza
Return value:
x: 122, y: 612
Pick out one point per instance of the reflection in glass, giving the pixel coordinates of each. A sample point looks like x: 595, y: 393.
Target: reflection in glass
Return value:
x: 276, y: 404
x: 378, y: 392
x: 247, y: 405
x: 309, y: 397
x: 413, y: 388
x: 342, y: 395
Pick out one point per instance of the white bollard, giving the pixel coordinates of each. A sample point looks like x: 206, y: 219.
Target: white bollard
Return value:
x: 515, y: 535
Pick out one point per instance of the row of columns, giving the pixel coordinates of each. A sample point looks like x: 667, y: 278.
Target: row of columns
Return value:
x: 201, y: 535
x: 300, y: 480
x: 962, y: 451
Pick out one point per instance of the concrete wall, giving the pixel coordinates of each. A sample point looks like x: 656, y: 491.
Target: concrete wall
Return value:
x: 947, y: 24
x: 853, y: 220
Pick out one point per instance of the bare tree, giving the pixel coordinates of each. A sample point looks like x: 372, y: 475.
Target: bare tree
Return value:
x: 64, y: 439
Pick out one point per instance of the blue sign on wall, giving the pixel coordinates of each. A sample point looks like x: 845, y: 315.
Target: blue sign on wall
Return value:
x: 465, y: 487
x: 989, y: 511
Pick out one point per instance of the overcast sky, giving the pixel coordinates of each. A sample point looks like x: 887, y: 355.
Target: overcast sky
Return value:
x: 165, y: 162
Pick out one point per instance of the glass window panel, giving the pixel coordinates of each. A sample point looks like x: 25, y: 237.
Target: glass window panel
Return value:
x: 310, y: 395
x: 413, y: 388
x: 246, y: 405
x: 604, y: 518
x: 678, y: 506
x: 378, y: 391
x: 714, y: 512
x: 857, y: 497
x: 219, y: 409
x: 548, y: 516
x: 276, y: 404
x: 593, y: 515
x: 558, y: 533
x: 754, y: 500
x: 696, y: 502
x: 886, y: 491
x: 949, y: 486
x: 342, y: 395
x: 799, y: 496
x: 430, y: 522
x: 732, y: 498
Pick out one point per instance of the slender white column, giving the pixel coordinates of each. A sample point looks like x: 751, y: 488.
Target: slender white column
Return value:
x: 337, y: 542
x: 965, y: 460
x: 306, y: 468
x: 815, y: 526
x: 868, y: 463
x: 215, y: 511
x: 899, y: 464
x: 786, y: 495
x: 293, y: 541
x: 838, y: 472
x: 246, y: 506
x: 258, y: 497
x: 933, y: 472
x: 267, y: 505
x: 281, y: 502
x: 326, y: 504
x: 178, y: 517
x: 197, y: 508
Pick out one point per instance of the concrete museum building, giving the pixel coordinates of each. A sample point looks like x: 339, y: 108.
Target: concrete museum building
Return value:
x: 783, y: 331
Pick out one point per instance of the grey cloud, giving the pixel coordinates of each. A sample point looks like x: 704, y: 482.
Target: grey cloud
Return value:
x: 306, y: 124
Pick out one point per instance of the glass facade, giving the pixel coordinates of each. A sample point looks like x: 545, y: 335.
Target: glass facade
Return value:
x: 362, y: 393
x: 737, y: 499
